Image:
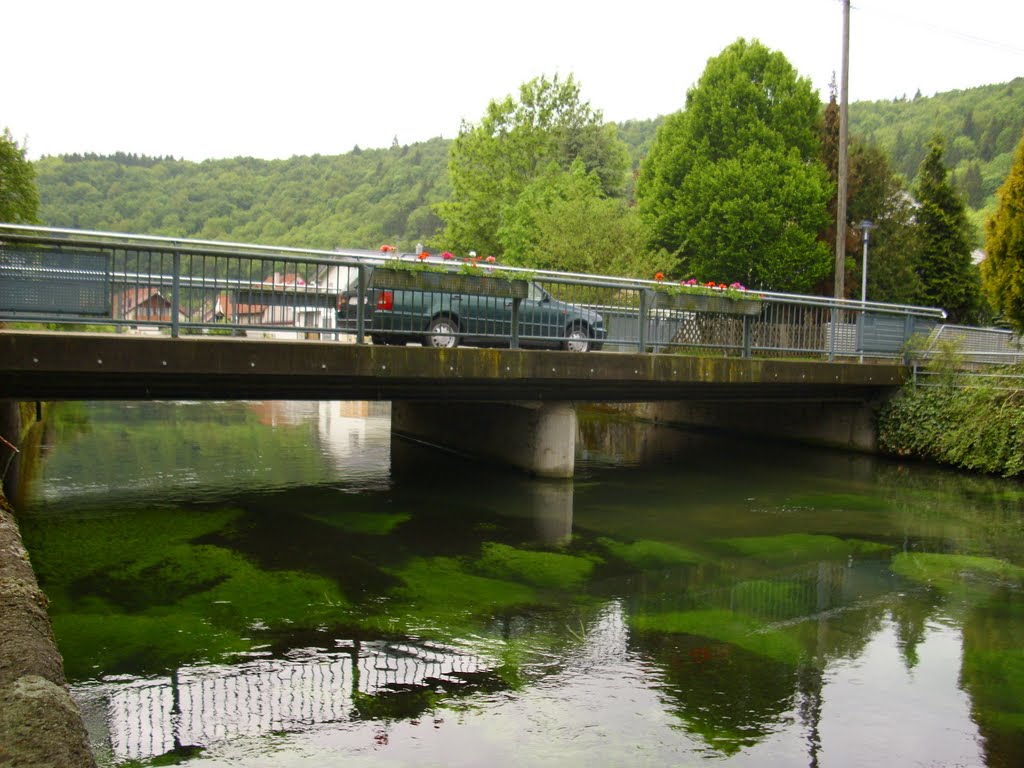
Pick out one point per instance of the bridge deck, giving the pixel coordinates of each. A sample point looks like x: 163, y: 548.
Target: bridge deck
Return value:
x: 47, y: 365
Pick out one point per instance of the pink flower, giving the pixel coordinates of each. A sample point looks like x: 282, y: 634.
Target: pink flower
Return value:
x: 387, y: 249
x: 490, y: 259
x: 447, y: 255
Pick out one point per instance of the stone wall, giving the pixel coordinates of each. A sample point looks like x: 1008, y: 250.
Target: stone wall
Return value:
x: 40, y: 724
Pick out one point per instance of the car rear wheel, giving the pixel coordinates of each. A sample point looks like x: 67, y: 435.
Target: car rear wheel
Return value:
x: 441, y: 333
x: 578, y: 339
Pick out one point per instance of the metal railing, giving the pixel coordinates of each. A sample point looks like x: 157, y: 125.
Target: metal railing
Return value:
x: 965, y: 356
x: 135, y: 282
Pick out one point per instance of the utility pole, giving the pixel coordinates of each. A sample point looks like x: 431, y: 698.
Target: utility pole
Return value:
x: 844, y: 85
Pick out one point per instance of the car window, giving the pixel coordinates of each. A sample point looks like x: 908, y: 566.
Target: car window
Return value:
x: 536, y: 293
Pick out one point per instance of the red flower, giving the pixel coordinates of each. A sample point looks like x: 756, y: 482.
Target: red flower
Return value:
x: 659, y: 276
x: 423, y: 256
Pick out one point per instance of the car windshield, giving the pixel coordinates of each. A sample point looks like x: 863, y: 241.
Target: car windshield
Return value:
x: 537, y: 293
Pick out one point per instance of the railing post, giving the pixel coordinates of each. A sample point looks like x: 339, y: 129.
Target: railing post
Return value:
x: 833, y: 335
x: 360, y: 303
x: 860, y: 335
x: 748, y: 332
x: 513, y: 342
x: 641, y: 343
x: 176, y: 295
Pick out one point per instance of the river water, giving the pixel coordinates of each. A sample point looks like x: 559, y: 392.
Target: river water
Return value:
x: 280, y: 584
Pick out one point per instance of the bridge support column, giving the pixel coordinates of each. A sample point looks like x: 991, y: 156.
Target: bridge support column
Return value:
x: 539, y: 438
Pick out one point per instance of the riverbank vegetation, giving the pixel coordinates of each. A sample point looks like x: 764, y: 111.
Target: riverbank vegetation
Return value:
x: 971, y: 424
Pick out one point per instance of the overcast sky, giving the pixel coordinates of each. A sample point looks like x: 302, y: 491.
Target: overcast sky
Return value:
x: 273, y: 79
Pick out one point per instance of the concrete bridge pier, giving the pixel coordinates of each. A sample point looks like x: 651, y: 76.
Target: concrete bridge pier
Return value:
x: 537, y: 437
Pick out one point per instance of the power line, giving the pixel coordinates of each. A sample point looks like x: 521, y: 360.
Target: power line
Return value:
x: 918, y: 22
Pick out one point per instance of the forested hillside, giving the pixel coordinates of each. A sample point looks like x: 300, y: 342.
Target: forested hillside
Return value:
x: 360, y: 199
x: 368, y: 197
x: 981, y: 127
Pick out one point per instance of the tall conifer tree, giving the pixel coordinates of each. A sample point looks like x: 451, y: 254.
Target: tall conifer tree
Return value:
x: 948, y: 279
x: 1003, y: 268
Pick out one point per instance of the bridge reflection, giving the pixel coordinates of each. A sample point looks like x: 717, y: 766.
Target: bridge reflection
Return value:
x: 206, y: 704
x: 203, y: 705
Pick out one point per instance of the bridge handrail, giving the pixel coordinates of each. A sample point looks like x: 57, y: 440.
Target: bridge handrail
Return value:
x: 59, y: 236
x: 788, y: 323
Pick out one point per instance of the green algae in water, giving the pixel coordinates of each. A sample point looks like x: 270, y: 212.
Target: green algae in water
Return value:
x: 97, y: 644
x: 843, y: 501
x: 551, y: 570
x: 947, y: 571
x: 134, y: 593
x: 801, y: 547
x: 103, y: 637
x: 68, y: 549
x: 648, y: 555
x: 275, y: 598
x: 441, y: 598
x: 726, y: 626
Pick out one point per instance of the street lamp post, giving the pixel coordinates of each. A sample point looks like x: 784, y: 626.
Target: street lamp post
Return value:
x: 866, y: 226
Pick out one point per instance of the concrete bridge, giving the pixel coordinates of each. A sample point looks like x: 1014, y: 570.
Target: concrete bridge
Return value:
x: 173, y: 312
x: 508, y: 405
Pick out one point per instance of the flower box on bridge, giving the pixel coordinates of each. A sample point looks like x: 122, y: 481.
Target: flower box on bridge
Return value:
x: 702, y: 302
x: 449, y: 282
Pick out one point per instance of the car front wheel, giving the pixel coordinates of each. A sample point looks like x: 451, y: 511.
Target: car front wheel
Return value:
x: 579, y: 339
x: 441, y: 334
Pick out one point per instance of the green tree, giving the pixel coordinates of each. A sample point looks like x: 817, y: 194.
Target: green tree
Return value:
x: 491, y: 163
x: 733, y: 188
x: 19, y: 201
x: 563, y: 220
x: 877, y: 194
x: 948, y: 278
x: 1003, y: 268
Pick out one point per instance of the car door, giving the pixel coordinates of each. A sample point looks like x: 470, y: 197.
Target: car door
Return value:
x: 541, y: 318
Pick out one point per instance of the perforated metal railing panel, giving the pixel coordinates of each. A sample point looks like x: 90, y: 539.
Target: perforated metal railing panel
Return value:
x: 49, y: 282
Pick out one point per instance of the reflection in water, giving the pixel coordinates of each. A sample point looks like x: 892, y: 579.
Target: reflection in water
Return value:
x: 207, y: 704
x: 284, y: 584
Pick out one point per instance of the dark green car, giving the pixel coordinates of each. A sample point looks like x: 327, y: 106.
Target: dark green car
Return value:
x: 437, y: 319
